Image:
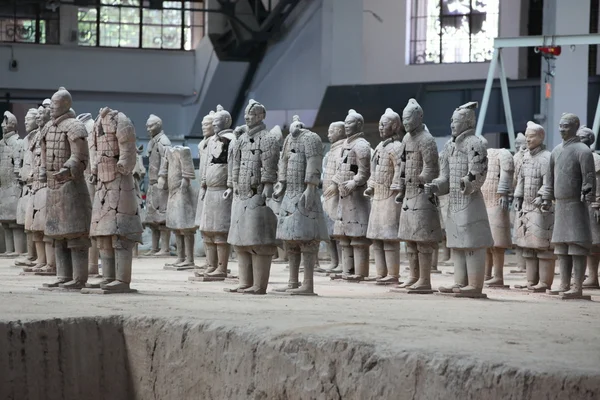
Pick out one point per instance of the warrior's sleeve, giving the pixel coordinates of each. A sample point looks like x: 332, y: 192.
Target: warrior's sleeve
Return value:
x: 442, y: 181
x: 269, y: 157
x: 163, y: 172
x: 126, y: 139
x: 42, y: 153
x: 588, y: 172
x: 548, y: 193
x: 314, y: 159
x: 398, y: 183
x: 596, y: 203
x: 507, y: 169
x: 18, y: 155
x: 477, y: 158
x: 545, y: 176
x: 520, y: 184
x: 233, y: 166
x: 363, y: 158
x: 80, y: 153
x: 431, y: 163
x: 283, y: 160
x: 187, y: 164
x: 370, y: 182
x: 518, y: 162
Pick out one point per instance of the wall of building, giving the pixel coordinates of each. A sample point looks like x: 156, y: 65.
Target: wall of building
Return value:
x: 340, y: 42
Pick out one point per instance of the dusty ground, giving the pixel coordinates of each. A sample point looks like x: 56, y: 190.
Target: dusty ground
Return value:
x: 517, y: 329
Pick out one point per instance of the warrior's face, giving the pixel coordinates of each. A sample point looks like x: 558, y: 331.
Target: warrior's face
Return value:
x: 59, y: 105
x: 295, y: 128
x: 386, y: 127
x: 533, y: 138
x: 218, y: 124
x: 460, y: 122
x: 42, y: 116
x: 30, y: 123
x: 410, y: 119
x: 154, y: 127
x: 568, y: 128
x: 520, y: 144
x: 207, y: 127
x: 335, y: 133
x: 5, y: 125
x: 352, y: 125
x: 253, y: 117
x: 586, y: 137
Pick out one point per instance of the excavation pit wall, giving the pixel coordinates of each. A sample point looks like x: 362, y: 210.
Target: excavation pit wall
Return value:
x: 145, y: 358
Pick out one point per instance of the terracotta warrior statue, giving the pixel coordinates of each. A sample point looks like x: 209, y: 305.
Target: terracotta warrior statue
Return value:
x: 301, y: 224
x: 116, y: 223
x: 10, y: 189
x: 353, y: 170
x: 156, y: 198
x: 139, y: 174
x: 215, y: 218
x: 496, y: 192
x: 533, y: 230
x: 68, y: 210
x: 177, y: 170
x: 420, y: 224
x: 203, y: 158
x: 26, y: 181
x: 587, y: 137
x: 521, y: 149
x: 253, y: 223
x: 382, y: 188
x: 94, y: 255
x: 35, y: 216
x: 336, y: 136
x: 463, y: 172
x: 571, y: 184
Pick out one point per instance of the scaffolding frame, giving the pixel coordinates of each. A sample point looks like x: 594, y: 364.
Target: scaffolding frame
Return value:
x: 497, y: 60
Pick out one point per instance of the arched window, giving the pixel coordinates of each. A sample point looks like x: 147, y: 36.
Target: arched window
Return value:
x: 452, y: 31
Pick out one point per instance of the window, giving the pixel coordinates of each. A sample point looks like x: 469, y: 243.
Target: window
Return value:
x: 28, y: 23
x: 142, y: 24
x: 453, y: 31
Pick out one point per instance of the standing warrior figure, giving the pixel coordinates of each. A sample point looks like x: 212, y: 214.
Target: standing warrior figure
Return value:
x: 463, y: 172
x: 10, y: 189
x: 521, y: 149
x: 26, y: 180
x: 156, y: 198
x: 301, y: 224
x: 571, y: 183
x: 116, y: 223
x: 94, y: 255
x: 496, y: 191
x: 350, y: 182
x: 382, y: 188
x: 35, y: 216
x: 215, y: 219
x: 587, y: 137
x: 176, y: 171
x: 203, y: 159
x: 420, y: 224
x: 68, y: 210
x: 336, y: 136
x: 533, y: 227
x: 253, y: 223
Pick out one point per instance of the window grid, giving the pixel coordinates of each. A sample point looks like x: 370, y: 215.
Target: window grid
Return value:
x: 133, y: 24
x: 28, y: 23
x: 452, y: 31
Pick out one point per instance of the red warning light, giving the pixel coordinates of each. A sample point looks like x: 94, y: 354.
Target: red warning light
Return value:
x: 552, y: 51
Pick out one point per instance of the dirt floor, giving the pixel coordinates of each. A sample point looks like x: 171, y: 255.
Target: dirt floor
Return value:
x: 515, y: 329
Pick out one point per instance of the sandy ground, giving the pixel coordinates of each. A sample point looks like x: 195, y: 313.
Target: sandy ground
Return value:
x: 515, y: 328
